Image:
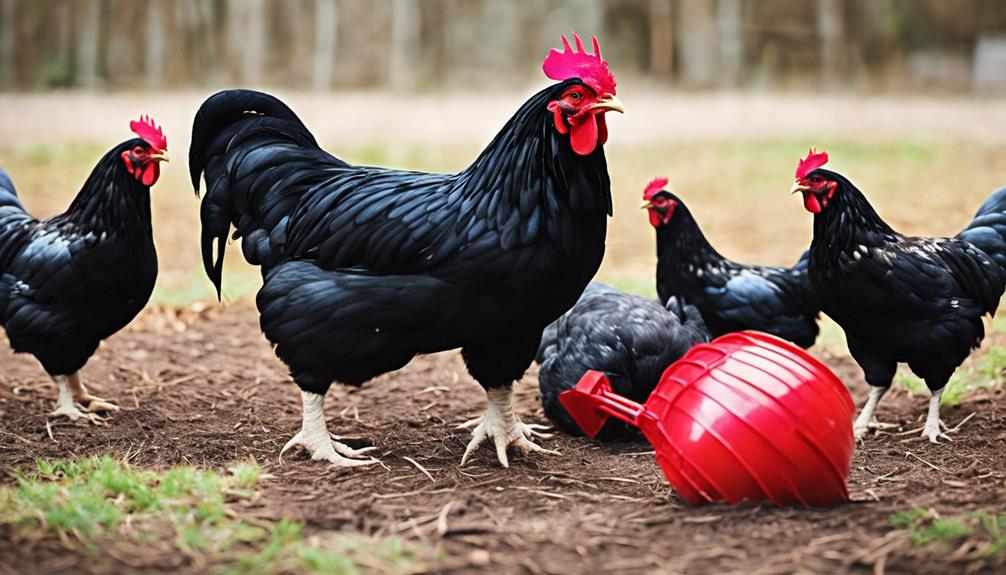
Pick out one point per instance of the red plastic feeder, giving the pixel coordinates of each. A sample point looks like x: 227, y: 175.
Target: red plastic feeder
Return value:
x: 748, y: 417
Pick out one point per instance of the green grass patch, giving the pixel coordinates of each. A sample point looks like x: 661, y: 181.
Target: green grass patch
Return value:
x: 101, y: 501
x: 985, y: 531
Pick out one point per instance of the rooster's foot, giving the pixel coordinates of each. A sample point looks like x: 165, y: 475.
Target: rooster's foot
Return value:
x: 860, y: 430
x: 932, y: 431
x: 504, y: 428
x: 73, y: 413
x: 65, y: 404
x: 96, y: 404
x: 315, y: 438
x: 85, y: 399
x: 866, y: 420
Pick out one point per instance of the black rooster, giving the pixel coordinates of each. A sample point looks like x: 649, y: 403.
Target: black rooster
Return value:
x: 899, y: 299
x: 632, y: 339
x: 68, y: 282
x: 731, y: 296
x: 366, y: 267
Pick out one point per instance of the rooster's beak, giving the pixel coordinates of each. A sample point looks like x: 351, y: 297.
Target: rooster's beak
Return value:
x: 797, y: 187
x: 645, y: 205
x: 609, y: 103
x: 159, y: 157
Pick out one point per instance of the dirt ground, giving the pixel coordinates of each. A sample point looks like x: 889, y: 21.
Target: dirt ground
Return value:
x: 202, y: 387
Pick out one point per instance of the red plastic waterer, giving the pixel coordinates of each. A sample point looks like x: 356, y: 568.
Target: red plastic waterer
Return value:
x: 747, y: 417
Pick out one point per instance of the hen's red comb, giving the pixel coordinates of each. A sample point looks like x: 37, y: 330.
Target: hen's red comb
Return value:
x: 813, y: 161
x: 149, y: 132
x: 653, y: 187
x: 578, y: 63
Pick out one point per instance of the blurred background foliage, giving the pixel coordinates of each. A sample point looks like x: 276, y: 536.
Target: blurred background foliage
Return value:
x: 953, y: 45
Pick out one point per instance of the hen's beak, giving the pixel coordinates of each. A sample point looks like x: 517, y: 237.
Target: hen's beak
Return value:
x: 159, y: 156
x: 609, y: 103
x: 798, y: 187
x: 645, y: 205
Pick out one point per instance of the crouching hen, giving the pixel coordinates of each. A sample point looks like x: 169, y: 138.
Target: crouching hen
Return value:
x: 69, y: 282
x: 731, y: 296
x: 366, y: 267
x: 901, y: 299
x: 632, y: 339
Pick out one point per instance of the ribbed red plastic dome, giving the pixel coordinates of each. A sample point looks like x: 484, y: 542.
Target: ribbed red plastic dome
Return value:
x: 747, y: 417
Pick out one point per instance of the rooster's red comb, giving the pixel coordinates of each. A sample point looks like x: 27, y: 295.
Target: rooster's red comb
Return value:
x: 813, y: 161
x: 149, y: 132
x: 578, y: 63
x: 658, y: 184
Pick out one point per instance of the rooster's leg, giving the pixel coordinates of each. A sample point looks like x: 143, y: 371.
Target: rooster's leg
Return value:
x: 67, y: 407
x: 931, y: 431
x: 314, y: 437
x: 90, y: 402
x: 501, y: 424
x: 866, y: 420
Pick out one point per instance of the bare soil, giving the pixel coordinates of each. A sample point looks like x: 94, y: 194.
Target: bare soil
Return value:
x: 201, y: 386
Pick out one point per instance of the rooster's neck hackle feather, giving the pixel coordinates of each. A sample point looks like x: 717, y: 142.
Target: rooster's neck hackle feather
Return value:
x: 527, y: 147
x: 849, y: 219
x: 681, y: 243
x: 110, y: 199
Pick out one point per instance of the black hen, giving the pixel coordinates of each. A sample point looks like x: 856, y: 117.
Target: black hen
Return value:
x: 366, y: 267
x: 901, y: 299
x: 731, y: 296
x: 68, y: 282
x: 632, y: 339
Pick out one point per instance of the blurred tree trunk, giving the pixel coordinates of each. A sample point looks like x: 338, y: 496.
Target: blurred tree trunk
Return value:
x: 500, y: 25
x: 730, y: 28
x: 246, y: 33
x: 405, y: 42
x: 155, y: 53
x: 830, y: 29
x: 326, y: 26
x: 59, y: 70
x: 661, y: 38
x: 8, y: 41
x: 88, y: 43
x: 698, y: 42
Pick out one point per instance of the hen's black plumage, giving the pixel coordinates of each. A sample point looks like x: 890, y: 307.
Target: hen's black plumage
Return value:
x: 632, y: 339
x: 68, y: 282
x: 366, y: 267
x: 906, y: 299
x: 731, y: 296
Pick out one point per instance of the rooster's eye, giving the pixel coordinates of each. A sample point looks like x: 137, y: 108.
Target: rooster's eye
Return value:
x: 574, y: 96
x: 139, y: 151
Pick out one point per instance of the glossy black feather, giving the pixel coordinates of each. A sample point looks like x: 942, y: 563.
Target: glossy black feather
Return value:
x: 364, y: 267
x: 906, y: 299
x: 68, y: 282
x: 631, y: 338
x: 733, y: 296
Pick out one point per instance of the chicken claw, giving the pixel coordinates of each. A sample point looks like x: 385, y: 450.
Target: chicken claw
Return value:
x: 315, y: 438
x: 67, y: 407
x: 85, y: 399
x: 859, y: 431
x: 866, y: 420
x: 92, y: 403
x: 502, y: 425
x: 931, y: 430
x: 73, y: 413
